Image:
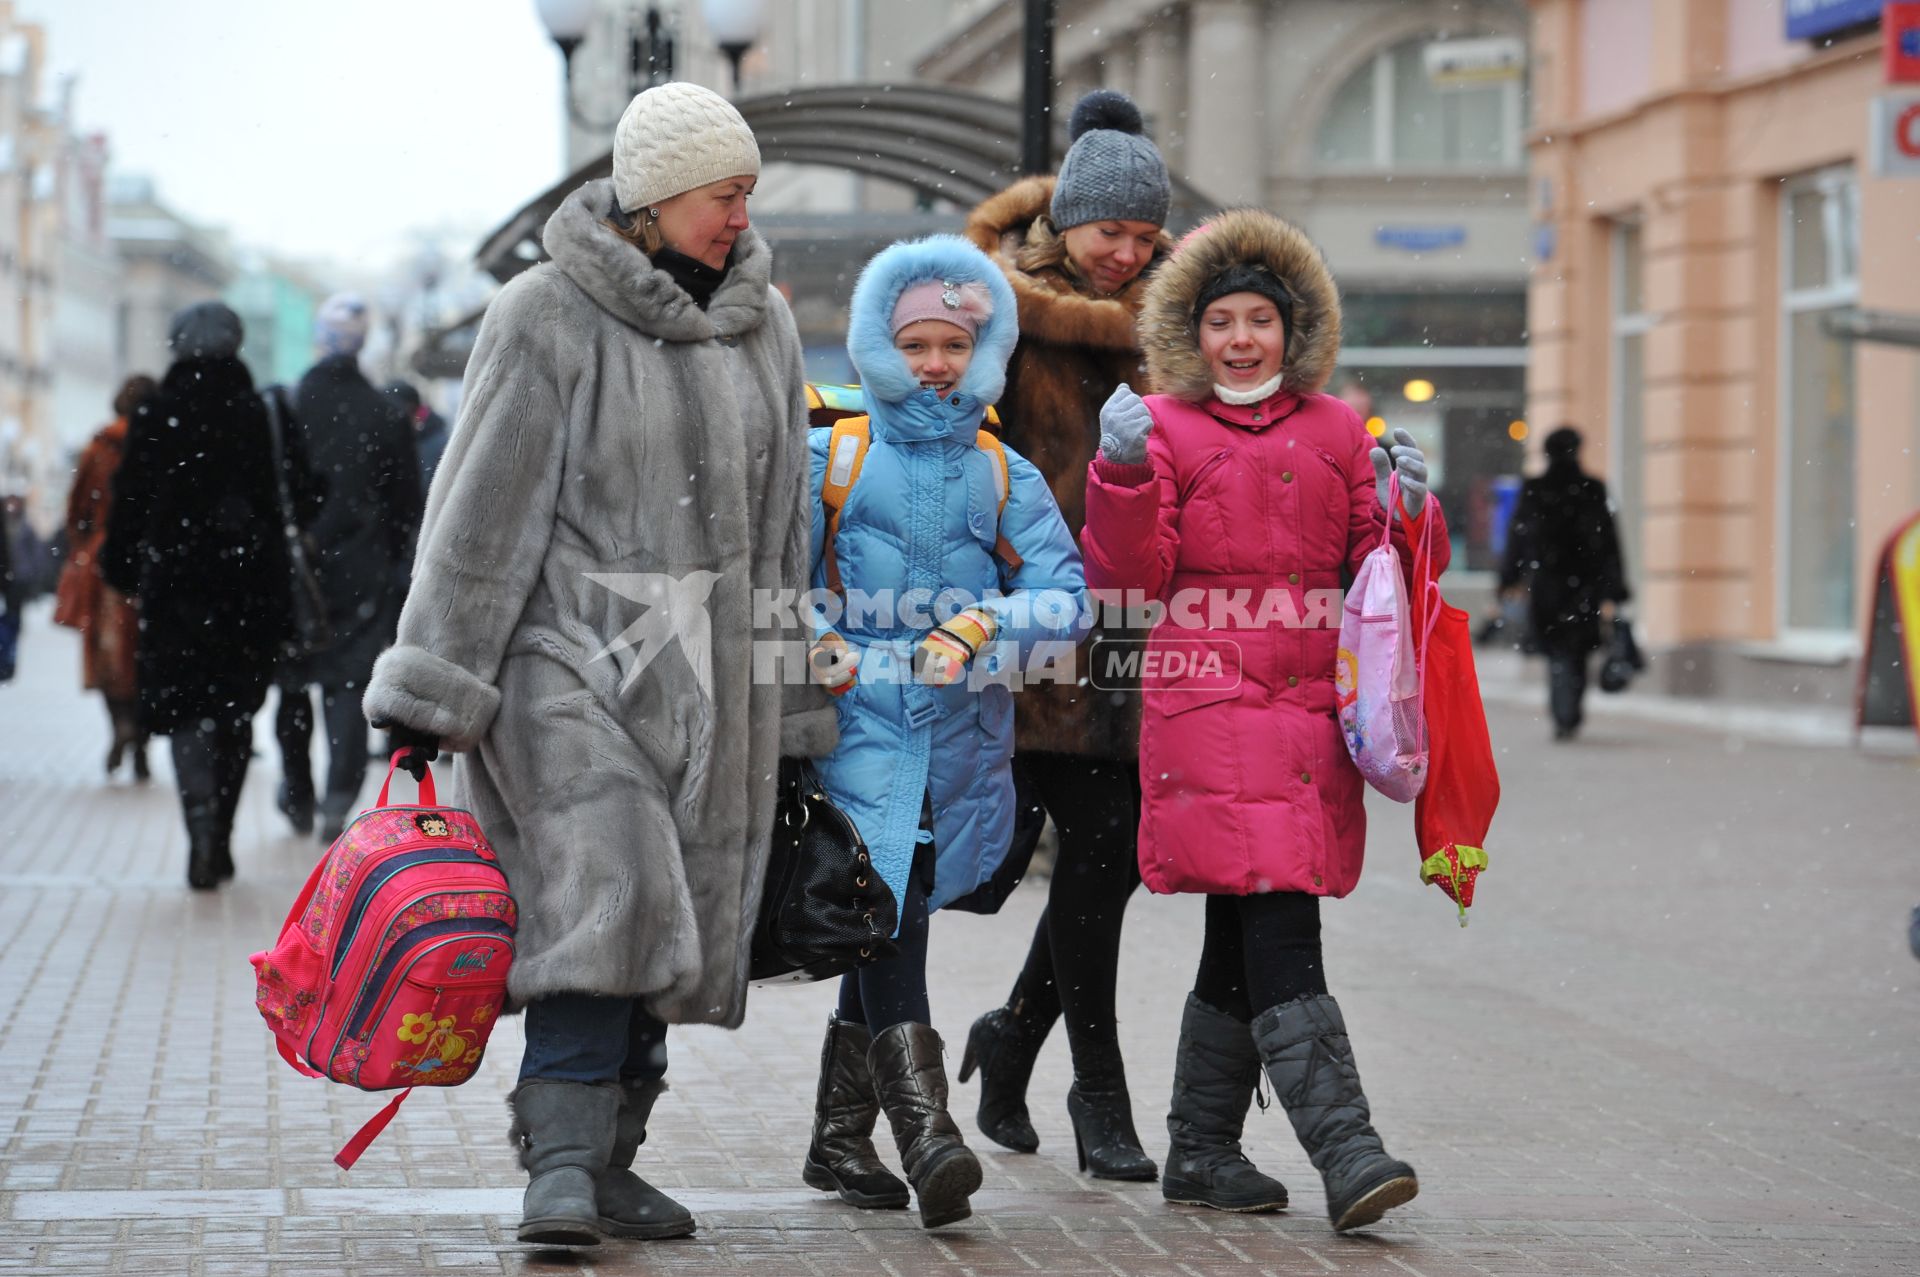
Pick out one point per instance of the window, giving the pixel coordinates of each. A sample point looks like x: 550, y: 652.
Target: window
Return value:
x: 1390, y: 115
x: 1626, y: 450
x: 1820, y: 243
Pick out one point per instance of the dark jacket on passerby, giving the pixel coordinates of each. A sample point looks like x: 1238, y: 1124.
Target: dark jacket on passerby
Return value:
x: 361, y: 447
x: 430, y: 439
x: 195, y: 535
x: 1563, y: 546
x: 1075, y: 347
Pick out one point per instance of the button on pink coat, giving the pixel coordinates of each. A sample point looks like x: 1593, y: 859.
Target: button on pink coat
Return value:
x: 1243, y: 520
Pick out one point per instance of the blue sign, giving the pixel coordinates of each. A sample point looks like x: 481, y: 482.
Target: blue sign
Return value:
x: 1811, y: 19
x: 1419, y: 239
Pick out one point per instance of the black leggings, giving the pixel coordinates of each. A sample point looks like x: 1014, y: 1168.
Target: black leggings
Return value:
x: 1075, y: 957
x: 883, y: 994
x: 1260, y: 952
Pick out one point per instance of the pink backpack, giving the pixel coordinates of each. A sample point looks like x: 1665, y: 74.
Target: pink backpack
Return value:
x: 1377, y: 680
x: 391, y: 968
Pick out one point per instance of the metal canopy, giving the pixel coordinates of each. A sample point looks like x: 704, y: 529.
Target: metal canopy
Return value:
x: 944, y: 143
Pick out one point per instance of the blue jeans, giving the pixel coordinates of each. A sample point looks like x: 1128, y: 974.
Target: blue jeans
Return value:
x: 584, y: 1037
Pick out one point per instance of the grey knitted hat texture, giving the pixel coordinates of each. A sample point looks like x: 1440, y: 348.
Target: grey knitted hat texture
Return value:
x: 1112, y: 172
x: 676, y: 137
x: 206, y: 330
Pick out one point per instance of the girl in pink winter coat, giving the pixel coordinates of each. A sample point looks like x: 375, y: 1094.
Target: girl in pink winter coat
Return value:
x: 1243, y: 500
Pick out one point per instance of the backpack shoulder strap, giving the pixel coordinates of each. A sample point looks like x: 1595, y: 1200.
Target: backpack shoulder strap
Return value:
x: 989, y: 442
x: 846, y: 450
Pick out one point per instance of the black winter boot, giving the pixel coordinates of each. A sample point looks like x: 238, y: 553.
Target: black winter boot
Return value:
x: 564, y: 1131
x: 1215, y: 1071
x: 1003, y: 1044
x: 911, y: 1082
x: 628, y: 1205
x: 1102, y: 1113
x: 1310, y: 1063
x: 841, y: 1158
x: 205, y: 844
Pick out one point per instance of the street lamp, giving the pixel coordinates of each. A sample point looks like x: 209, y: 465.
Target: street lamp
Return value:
x: 735, y: 26
x: 649, y: 57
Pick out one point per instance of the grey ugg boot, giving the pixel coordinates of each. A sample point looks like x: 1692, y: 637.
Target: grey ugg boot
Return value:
x: 1215, y: 1071
x: 629, y: 1206
x: 1310, y: 1063
x: 564, y: 1131
x: 841, y: 1158
x: 911, y: 1081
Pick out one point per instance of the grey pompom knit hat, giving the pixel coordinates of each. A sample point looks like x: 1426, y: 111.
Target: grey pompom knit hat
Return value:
x: 675, y: 137
x: 1112, y: 172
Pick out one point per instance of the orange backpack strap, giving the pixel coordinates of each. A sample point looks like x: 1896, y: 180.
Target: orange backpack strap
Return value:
x: 846, y: 450
x: 989, y: 442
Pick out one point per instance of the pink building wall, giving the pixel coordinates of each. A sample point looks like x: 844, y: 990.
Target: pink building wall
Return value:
x: 1615, y: 71
x: 1757, y: 39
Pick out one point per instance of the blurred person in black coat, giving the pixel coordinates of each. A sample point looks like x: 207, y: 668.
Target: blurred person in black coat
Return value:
x: 195, y: 535
x: 361, y: 447
x: 1563, y: 547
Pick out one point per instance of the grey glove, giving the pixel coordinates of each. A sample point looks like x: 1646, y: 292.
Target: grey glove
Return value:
x: 1125, y: 424
x: 1408, y: 460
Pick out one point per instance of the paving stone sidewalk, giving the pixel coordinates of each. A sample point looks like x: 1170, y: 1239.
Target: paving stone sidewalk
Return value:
x: 1682, y: 1036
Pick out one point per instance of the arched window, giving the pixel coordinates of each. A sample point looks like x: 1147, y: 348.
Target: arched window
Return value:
x: 1395, y: 113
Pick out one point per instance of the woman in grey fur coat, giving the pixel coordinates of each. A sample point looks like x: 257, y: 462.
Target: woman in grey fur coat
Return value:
x: 629, y: 467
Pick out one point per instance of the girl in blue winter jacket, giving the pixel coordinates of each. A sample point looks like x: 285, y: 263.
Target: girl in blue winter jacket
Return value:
x: 956, y: 574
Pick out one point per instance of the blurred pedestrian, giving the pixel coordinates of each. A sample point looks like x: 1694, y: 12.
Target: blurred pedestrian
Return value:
x: 108, y: 621
x: 1078, y: 249
x: 36, y: 560
x: 1241, y: 471
x: 923, y: 767
x: 12, y: 600
x: 1563, y: 548
x: 429, y: 428
x: 194, y: 536
x: 631, y: 452
x: 360, y: 446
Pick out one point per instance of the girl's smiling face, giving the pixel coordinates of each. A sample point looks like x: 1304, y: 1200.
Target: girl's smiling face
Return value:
x: 937, y: 353
x: 1243, y: 340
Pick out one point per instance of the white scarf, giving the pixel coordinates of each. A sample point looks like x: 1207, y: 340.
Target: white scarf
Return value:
x: 1241, y: 398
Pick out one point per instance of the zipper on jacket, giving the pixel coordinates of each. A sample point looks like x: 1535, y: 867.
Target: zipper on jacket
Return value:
x: 1193, y: 484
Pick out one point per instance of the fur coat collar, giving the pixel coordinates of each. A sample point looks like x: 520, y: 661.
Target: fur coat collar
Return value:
x: 627, y: 285
x: 1244, y: 236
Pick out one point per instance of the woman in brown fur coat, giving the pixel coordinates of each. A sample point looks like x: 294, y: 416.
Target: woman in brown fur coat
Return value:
x: 107, y: 620
x: 1077, y: 249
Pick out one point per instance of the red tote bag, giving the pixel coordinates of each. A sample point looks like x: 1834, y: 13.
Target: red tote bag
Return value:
x: 1454, y: 810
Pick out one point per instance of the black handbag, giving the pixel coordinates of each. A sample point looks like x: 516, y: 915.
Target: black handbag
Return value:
x: 1623, y: 657
x: 823, y: 910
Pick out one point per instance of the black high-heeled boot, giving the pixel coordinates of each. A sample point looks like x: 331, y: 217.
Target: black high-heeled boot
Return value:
x: 1102, y: 1113
x: 1003, y: 1045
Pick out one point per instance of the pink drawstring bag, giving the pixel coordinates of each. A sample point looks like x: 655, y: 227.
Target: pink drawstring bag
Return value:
x: 1377, y: 680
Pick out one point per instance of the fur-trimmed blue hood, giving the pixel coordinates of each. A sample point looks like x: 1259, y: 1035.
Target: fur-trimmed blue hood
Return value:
x: 881, y: 368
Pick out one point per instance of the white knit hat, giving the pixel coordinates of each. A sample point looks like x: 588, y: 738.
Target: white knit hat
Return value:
x: 675, y: 137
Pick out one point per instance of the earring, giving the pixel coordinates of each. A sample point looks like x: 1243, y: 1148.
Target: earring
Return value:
x: 653, y: 215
